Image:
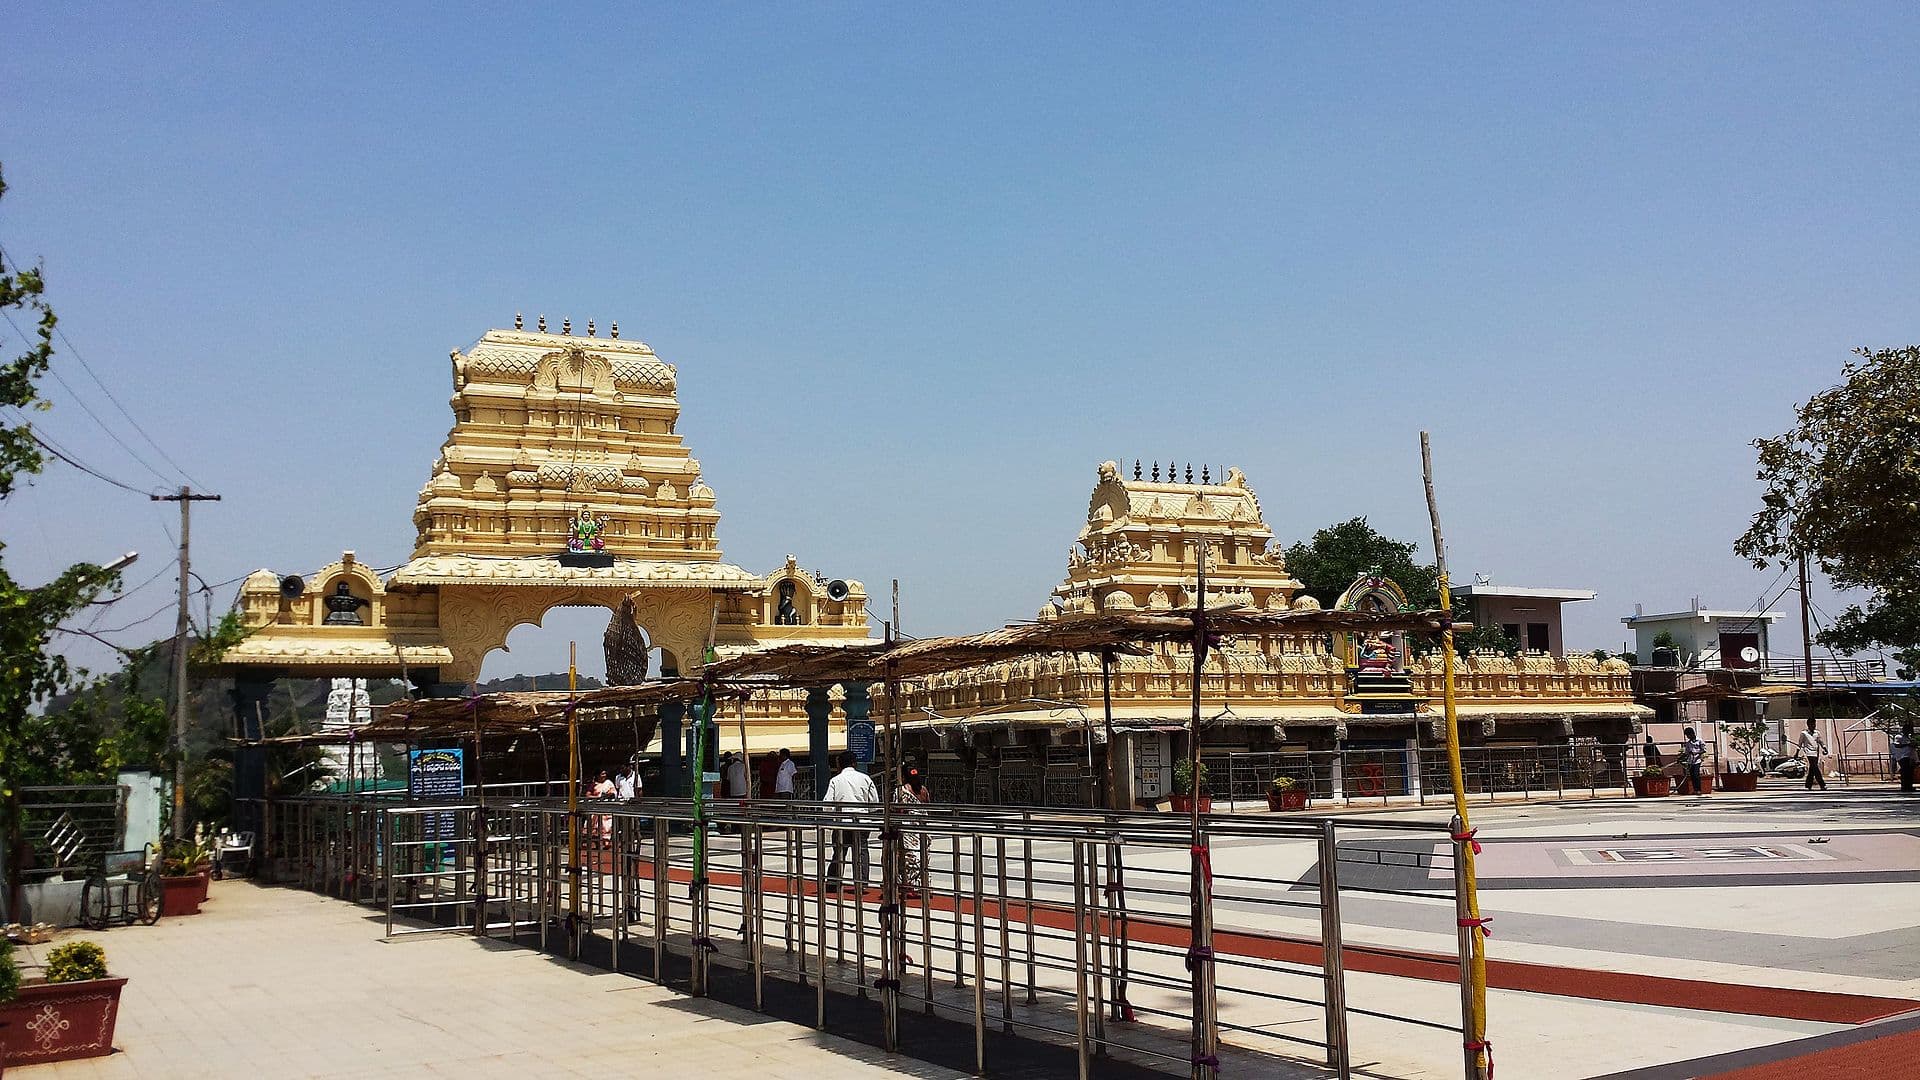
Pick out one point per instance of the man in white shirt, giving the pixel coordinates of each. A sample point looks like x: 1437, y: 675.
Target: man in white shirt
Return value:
x: 623, y: 785
x: 1812, y: 746
x: 783, y: 776
x: 854, y: 790
x: 736, y: 777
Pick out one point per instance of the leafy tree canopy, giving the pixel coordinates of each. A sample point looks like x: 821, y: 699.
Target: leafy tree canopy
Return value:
x: 1842, y: 486
x: 28, y: 616
x: 1328, y: 563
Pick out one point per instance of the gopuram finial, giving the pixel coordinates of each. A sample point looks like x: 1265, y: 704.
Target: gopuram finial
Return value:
x: 518, y: 321
x: 543, y: 324
x: 590, y: 328
x: 1136, y: 468
x: 1189, y: 472
x: 566, y: 326
x: 1203, y: 475
x: 614, y: 330
x: 1156, y: 472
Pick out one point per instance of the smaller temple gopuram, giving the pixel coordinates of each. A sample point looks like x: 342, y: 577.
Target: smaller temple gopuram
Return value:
x: 1032, y: 730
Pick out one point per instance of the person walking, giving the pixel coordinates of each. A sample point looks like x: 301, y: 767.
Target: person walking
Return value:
x: 1693, y: 753
x: 912, y: 793
x: 624, y: 788
x: 736, y: 773
x: 783, y: 775
x: 1651, y: 750
x: 602, y: 824
x: 1903, y: 755
x: 1812, y: 745
x: 853, y: 791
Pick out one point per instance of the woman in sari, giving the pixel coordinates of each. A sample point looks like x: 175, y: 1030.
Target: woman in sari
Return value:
x: 912, y: 792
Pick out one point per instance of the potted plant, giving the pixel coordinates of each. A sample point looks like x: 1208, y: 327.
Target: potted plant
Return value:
x: 9, y: 990
x: 70, y: 1013
x: 181, y: 886
x: 1746, y: 740
x: 1286, y: 793
x: 1652, y: 783
x: 1187, y: 787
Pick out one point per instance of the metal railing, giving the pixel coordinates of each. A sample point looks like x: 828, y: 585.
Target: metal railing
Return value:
x: 1832, y: 669
x: 70, y: 826
x: 1240, y: 780
x: 1062, y: 932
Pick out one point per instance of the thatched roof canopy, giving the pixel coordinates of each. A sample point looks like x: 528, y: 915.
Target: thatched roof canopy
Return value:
x: 791, y: 666
x: 525, y: 712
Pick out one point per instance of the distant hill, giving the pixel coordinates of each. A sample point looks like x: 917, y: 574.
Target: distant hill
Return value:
x: 519, y: 683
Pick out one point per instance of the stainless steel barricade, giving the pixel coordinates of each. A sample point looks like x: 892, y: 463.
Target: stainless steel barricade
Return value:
x: 1063, y: 927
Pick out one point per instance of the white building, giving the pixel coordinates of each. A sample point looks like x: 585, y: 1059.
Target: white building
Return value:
x: 1704, y: 638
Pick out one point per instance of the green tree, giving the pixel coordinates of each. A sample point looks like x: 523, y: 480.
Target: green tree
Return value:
x: 1328, y: 563
x: 1842, y: 487
x: 28, y: 616
x: 1485, y: 637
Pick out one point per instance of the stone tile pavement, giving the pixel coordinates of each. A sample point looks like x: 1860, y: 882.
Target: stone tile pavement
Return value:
x: 271, y: 982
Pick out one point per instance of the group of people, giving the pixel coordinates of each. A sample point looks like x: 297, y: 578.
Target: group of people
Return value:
x: 849, y: 787
x: 1809, y: 746
x: 857, y: 792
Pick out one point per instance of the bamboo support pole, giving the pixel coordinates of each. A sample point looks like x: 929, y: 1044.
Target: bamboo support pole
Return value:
x: 1478, y: 1052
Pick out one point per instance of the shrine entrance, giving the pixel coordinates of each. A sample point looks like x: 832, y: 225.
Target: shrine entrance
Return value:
x: 562, y: 483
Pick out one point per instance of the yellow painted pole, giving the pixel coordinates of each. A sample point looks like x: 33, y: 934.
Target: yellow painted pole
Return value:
x: 1476, y: 1038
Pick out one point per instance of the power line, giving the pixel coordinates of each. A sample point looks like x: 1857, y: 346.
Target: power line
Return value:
x: 148, y: 617
x: 88, y: 469
x: 124, y: 595
x: 88, y: 368
x: 91, y: 415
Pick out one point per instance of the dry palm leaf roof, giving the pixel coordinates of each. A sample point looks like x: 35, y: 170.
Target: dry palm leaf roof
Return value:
x: 791, y: 666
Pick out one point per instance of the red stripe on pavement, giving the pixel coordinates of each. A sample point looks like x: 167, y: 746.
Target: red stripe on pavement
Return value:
x: 1518, y: 975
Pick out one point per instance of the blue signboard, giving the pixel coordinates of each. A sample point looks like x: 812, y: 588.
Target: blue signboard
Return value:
x: 437, y: 776
x: 860, y: 740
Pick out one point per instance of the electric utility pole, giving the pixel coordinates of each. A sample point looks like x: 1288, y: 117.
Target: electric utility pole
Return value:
x: 186, y: 498
x: 1806, y: 633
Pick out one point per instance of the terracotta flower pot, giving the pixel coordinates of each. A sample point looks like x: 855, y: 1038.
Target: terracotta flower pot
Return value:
x: 1290, y: 799
x: 1183, y: 804
x: 60, y: 1021
x: 1740, y: 781
x: 181, y: 895
x: 1652, y: 787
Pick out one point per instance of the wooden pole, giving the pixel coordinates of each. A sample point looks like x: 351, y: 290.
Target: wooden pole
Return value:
x: 1475, y: 1040
x: 1200, y: 955
x: 1106, y: 703
x: 697, y: 889
x: 573, y: 807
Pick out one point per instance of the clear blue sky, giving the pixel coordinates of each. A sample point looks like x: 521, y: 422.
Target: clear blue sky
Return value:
x: 922, y: 270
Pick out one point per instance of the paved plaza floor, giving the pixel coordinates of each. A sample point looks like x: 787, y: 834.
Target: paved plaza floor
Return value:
x: 1661, y: 939
x: 274, y: 982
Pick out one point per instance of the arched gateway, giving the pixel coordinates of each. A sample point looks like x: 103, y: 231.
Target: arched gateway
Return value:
x: 562, y: 483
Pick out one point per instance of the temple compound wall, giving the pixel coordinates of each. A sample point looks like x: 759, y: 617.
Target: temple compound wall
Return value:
x: 563, y: 482
x: 1034, y: 730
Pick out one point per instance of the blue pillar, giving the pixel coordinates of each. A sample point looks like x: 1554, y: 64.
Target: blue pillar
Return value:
x: 819, y: 756
x: 671, y: 768
x: 859, y: 709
